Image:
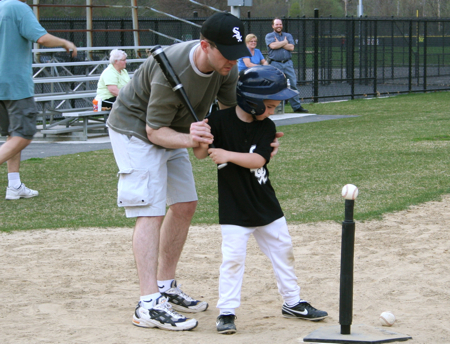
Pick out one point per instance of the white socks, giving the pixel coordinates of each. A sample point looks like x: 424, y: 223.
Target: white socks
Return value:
x: 165, y: 285
x: 14, y: 180
x: 227, y: 311
x: 149, y: 301
x: 293, y: 302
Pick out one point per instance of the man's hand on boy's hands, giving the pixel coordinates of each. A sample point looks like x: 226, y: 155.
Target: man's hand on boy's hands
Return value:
x: 200, y: 132
x: 275, y: 144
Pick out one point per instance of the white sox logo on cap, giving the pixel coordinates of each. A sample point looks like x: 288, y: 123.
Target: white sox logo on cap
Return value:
x: 226, y: 31
x: 237, y: 34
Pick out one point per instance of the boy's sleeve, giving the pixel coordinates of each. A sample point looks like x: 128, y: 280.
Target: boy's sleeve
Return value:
x: 263, y: 147
x: 214, y: 124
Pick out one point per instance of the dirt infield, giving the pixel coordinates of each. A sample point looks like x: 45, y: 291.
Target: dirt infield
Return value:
x: 63, y: 286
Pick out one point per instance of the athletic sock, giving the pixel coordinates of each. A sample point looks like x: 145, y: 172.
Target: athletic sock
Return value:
x: 148, y: 301
x: 165, y: 285
x: 14, y: 180
x: 294, y: 303
x: 227, y: 311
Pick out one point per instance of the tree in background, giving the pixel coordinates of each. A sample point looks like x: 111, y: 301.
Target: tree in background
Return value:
x: 295, y: 10
x: 64, y: 8
x: 402, y: 8
x: 326, y: 8
x: 186, y: 9
x: 260, y: 8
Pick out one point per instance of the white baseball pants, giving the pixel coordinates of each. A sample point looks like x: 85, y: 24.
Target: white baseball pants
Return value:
x: 275, y: 242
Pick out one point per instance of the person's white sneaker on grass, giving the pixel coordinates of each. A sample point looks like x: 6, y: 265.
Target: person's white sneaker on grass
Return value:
x: 21, y: 192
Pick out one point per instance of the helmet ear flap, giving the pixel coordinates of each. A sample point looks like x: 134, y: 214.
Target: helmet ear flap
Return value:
x: 253, y: 106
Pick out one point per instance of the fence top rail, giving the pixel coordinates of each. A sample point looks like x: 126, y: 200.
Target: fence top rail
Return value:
x: 81, y: 63
x: 63, y: 96
x: 73, y: 78
x: 58, y: 50
x: 83, y: 78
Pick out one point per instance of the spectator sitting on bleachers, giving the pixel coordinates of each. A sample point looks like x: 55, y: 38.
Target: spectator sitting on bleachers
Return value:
x: 113, y: 78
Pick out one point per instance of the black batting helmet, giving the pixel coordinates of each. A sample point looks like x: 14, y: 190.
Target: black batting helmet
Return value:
x: 258, y: 83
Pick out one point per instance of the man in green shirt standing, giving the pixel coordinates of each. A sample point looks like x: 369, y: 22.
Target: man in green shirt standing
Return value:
x: 150, y: 131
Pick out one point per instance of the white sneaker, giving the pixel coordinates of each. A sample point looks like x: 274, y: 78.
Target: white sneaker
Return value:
x: 162, y: 316
x: 183, y: 302
x: 21, y: 192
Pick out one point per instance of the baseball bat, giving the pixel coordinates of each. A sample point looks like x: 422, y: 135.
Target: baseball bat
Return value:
x: 161, y: 58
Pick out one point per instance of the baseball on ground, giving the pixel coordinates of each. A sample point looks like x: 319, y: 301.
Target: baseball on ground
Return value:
x: 387, y: 318
x: 350, y: 191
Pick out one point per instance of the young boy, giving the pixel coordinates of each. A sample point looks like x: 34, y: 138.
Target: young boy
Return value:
x: 247, y: 201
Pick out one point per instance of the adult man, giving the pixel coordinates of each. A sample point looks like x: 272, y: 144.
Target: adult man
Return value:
x: 280, y: 45
x: 18, y: 29
x: 150, y: 130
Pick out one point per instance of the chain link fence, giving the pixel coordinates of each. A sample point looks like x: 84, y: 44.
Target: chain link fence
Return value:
x: 335, y: 58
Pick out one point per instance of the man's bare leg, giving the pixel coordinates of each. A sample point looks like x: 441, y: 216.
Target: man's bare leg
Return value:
x: 145, y: 248
x: 173, y: 236
x: 14, y: 163
x: 174, y: 232
x: 11, y: 150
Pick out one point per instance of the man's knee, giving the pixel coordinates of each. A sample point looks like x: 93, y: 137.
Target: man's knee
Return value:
x: 184, y: 209
x: 19, y: 142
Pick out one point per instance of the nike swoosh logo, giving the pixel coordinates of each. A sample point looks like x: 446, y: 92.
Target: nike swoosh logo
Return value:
x: 160, y: 286
x: 304, y: 312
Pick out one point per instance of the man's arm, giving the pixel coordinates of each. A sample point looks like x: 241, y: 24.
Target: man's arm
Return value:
x: 51, y: 41
x: 289, y: 47
x: 200, y: 132
x: 248, y: 63
x: 276, y: 144
x: 281, y: 44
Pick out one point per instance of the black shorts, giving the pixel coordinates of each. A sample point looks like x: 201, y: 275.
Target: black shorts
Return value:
x: 18, y: 118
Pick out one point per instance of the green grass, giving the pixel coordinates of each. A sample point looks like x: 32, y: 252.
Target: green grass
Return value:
x: 395, y: 151
x: 386, y: 56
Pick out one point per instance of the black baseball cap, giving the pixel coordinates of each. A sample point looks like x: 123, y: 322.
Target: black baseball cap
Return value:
x: 227, y: 33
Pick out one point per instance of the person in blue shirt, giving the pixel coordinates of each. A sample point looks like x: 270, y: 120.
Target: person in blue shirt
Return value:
x: 19, y: 28
x: 256, y: 58
x: 280, y: 47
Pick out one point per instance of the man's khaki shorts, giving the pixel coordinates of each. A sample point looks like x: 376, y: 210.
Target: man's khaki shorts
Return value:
x: 18, y: 118
x: 151, y: 177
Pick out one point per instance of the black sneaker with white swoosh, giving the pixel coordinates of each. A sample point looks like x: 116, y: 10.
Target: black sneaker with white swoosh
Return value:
x: 303, y: 310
